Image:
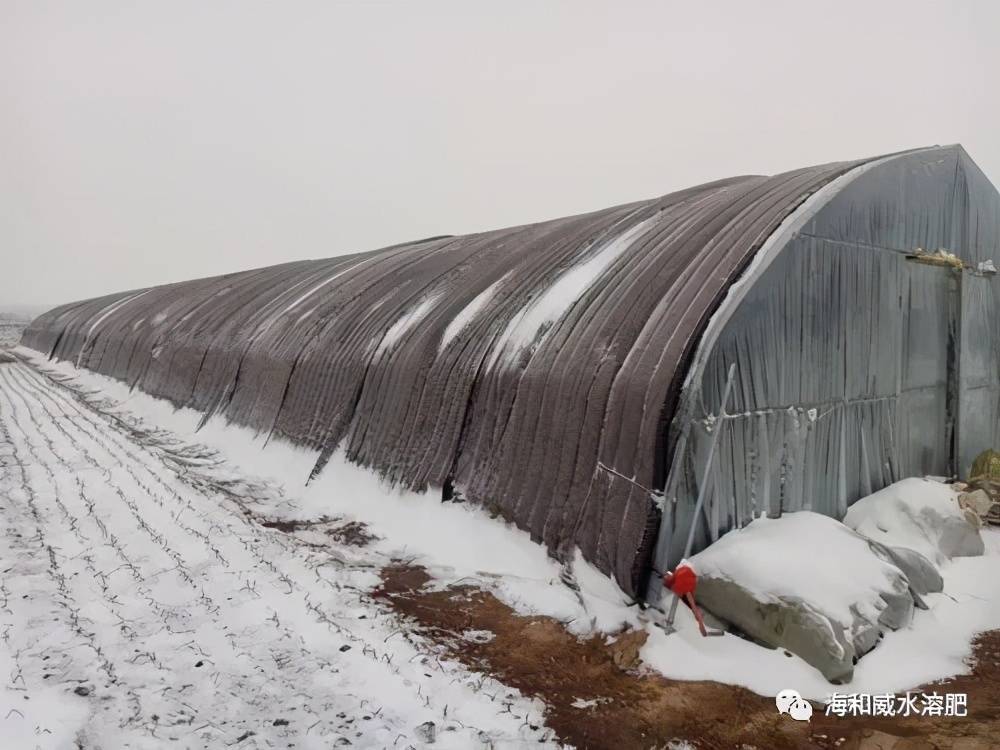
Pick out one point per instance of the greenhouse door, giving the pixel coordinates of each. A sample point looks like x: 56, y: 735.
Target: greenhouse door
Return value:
x: 926, y: 413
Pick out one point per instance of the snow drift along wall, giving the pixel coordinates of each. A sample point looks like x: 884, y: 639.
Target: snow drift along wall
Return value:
x: 505, y: 365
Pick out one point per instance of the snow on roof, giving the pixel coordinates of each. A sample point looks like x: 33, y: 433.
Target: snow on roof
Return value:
x: 535, y: 318
x: 469, y: 312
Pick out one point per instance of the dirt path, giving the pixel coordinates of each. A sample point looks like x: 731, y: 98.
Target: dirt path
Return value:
x: 139, y: 596
x: 596, y: 698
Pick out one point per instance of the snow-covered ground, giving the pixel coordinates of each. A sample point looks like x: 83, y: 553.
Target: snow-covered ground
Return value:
x: 155, y: 567
x: 139, y: 607
x: 12, y: 324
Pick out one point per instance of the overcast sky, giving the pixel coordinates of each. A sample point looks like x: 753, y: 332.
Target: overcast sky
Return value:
x: 142, y: 143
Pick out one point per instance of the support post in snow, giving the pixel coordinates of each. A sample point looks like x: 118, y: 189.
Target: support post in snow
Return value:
x: 702, y: 489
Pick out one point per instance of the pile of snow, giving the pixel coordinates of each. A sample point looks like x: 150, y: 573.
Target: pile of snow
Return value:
x: 919, y: 514
x: 807, y: 583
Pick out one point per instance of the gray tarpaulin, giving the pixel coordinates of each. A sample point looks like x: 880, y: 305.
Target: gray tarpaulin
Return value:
x: 505, y: 365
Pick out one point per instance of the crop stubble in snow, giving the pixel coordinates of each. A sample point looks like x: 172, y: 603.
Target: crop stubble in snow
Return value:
x: 134, y: 584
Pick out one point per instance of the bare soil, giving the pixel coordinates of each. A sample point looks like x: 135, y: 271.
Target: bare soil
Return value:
x: 351, y: 533
x: 289, y: 526
x: 597, y: 695
x: 980, y: 729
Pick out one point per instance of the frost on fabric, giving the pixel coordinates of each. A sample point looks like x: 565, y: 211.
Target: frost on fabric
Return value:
x: 310, y: 292
x: 469, y: 312
x: 111, y: 308
x: 537, y: 317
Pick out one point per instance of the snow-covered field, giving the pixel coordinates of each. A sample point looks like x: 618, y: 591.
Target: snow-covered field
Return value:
x: 12, y: 323
x: 142, y: 599
x: 139, y: 607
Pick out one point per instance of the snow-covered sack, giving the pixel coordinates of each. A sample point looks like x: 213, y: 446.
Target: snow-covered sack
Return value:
x: 920, y: 514
x: 923, y: 576
x: 806, y: 583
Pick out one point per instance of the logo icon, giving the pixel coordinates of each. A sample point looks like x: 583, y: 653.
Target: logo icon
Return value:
x: 791, y: 703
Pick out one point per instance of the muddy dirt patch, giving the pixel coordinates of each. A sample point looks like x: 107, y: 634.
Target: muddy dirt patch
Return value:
x: 980, y: 729
x: 352, y: 533
x: 592, y: 702
x: 596, y: 698
x: 289, y: 526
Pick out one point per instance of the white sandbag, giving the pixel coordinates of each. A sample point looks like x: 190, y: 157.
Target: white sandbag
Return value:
x: 920, y: 514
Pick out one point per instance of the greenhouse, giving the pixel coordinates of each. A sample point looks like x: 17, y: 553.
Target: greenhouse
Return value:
x: 569, y: 375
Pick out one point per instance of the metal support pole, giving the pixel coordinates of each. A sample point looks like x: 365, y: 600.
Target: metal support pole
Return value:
x: 702, y: 489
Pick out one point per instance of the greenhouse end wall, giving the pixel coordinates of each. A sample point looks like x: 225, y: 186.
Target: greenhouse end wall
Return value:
x: 857, y: 362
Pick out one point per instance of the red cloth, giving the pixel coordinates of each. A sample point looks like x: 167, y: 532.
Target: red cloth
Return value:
x: 682, y: 581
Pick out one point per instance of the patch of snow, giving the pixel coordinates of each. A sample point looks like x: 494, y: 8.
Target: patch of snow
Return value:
x: 106, y: 312
x: 478, y: 636
x: 315, y: 288
x: 592, y: 703
x: 42, y: 718
x: 404, y: 323
x: 110, y: 309
x: 469, y: 312
x: 539, y: 314
x: 920, y: 514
